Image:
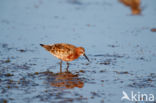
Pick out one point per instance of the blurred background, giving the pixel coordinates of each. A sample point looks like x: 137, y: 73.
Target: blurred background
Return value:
x: 119, y: 37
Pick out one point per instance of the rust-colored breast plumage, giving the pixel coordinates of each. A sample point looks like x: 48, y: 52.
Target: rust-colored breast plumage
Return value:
x: 63, y: 51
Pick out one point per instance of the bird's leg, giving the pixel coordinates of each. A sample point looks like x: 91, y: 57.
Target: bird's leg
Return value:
x: 67, y: 66
x: 61, y: 66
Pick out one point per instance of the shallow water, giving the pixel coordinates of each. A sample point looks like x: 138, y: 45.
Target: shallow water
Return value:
x: 120, y: 46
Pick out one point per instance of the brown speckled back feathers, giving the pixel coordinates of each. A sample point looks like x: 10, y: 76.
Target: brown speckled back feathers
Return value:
x: 62, y: 51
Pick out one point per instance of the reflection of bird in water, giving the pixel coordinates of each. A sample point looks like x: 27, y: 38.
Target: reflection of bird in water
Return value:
x: 133, y: 4
x: 65, y: 52
x: 66, y: 80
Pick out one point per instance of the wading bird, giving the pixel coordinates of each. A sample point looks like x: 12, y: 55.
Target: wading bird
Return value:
x: 65, y: 52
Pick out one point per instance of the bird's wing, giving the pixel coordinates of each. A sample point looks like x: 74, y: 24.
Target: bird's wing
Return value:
x: 62, y: 49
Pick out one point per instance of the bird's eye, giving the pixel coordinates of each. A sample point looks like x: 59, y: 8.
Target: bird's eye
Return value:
x: 81, y: 52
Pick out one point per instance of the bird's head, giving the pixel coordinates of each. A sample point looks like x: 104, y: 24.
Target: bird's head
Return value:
x: 81, y: 51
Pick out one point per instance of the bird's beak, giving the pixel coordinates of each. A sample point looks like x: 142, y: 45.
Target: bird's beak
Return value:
x: 86, y: 57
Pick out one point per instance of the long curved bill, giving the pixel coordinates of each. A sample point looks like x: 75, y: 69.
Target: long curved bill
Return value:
x: 86, y: 57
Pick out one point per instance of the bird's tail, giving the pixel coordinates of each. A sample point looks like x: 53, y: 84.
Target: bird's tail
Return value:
x: 47, y: 47
x: 41, y: 45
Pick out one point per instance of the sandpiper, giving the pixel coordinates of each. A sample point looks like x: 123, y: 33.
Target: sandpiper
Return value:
x: 65, y: 52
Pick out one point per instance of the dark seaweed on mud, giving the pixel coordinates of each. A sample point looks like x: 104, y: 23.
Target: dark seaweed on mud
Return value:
x: 143, y: 81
